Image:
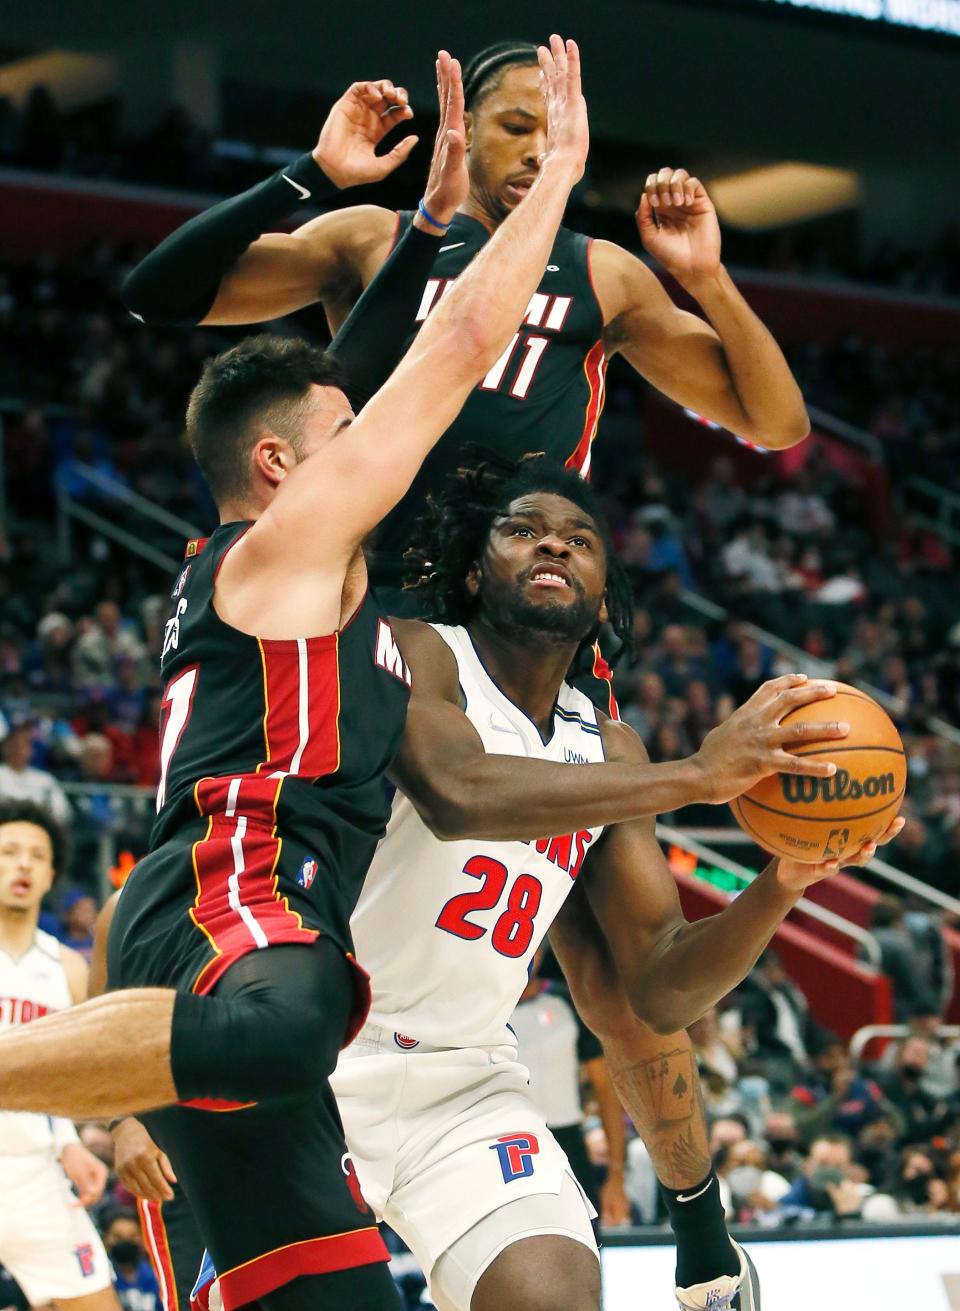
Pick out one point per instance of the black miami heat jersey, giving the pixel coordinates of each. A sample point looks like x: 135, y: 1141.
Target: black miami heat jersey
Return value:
x: 544, y: 393
x: 272, y: 795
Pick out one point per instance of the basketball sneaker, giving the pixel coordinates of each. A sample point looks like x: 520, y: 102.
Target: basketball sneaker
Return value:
x: 740, y: 1292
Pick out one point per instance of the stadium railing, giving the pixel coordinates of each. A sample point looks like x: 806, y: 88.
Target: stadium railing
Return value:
x: 873, y: 1032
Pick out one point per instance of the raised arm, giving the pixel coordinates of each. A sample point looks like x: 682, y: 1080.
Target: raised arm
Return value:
x: 372, y: 461
x: 730, y: 368
x: 674, y: 971
x: 218, y: 268
x: 460, y: 791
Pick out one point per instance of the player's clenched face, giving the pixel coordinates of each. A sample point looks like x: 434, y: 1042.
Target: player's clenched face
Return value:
x: 26, y: 865
x: 507, y: 134
x: 543, y: 570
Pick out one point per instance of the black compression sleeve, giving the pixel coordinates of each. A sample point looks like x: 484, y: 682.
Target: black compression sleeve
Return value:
x: 178, y: 282
x: 373, y: 339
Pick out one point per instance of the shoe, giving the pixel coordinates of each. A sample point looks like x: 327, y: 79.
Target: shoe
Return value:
x: 740, y: 1292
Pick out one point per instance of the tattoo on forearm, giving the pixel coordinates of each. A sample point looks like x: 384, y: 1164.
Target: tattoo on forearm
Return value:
x: 661, y: 1094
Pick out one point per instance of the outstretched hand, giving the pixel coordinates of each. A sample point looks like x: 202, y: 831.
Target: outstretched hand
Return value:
x: 568, y: 130
x: 678, y: 224
x: 448, y: 181
x: 795, y: 875
x: 355, y: 126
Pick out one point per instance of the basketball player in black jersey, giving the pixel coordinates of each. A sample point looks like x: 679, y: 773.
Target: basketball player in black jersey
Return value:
x: 545, y: 393
x: 595, y: 299
x: 285, y: 696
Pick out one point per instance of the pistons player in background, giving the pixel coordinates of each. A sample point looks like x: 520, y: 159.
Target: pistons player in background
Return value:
x: 449, y: 1146
x: 546, y: 391
x: 47, y: 1240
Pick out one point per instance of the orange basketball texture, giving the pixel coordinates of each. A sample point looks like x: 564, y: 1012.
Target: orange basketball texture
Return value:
x: 815, y: 819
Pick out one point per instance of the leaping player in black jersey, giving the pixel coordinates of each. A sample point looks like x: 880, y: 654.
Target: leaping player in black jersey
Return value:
x: 284, y: 701
x: 546, y: 392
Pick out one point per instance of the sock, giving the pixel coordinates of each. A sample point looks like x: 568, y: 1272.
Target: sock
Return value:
x: 704, y: 1249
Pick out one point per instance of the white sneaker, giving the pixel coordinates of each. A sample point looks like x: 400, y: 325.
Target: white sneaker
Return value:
x: 740, y: 1292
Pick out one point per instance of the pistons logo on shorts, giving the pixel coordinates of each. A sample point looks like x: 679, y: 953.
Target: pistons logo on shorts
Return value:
x: 84, y: 1255
x: 308, y: 872
x: 515, y: 1153
x: 404, y: 1043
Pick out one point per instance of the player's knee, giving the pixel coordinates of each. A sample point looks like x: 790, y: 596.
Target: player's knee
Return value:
x: 545, y: 1272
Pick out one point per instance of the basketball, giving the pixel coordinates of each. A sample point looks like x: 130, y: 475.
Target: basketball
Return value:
x: 815, y: 819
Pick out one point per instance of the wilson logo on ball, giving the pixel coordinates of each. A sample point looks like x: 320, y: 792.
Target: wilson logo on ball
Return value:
x: 806, y: 791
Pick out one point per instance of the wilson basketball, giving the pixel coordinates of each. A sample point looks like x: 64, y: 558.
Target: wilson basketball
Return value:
x: 814, y: 819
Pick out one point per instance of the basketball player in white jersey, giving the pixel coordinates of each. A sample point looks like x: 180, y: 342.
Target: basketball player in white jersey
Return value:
x: 448, y: 1145
x: 47, y: 1240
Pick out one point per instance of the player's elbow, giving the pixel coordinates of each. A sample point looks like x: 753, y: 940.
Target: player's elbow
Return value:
x: 661, y: 1009
x: 447, y: 813
x: 780, y: 435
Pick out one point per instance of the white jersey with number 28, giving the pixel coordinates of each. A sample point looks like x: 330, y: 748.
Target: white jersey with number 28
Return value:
x: 447, y: 930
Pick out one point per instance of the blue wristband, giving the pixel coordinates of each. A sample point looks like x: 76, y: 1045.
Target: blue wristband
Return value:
x: 429, y: 217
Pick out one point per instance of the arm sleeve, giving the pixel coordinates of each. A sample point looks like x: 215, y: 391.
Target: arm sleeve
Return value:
x: 178, y: 282
x: 375, y: 336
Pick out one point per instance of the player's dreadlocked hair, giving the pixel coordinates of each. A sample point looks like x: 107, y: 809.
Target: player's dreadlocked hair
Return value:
x: 482, y: 74
x: 449, y: 539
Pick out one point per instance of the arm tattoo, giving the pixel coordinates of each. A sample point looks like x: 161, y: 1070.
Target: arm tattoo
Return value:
x: 660, y: 1091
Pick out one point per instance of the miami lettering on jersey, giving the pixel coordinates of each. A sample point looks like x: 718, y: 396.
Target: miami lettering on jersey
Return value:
x: 387, y: 654
x: 546, y: 312
x: 18, y: 1010
x: 515, y: 1153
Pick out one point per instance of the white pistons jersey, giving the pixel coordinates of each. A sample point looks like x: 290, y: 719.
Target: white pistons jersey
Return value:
x: 30, y: 987
x: 448, y: 930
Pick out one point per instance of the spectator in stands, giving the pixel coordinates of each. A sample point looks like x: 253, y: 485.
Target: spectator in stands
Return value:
x: 754, y: 1187
x: 782, y: 1137
x: 829, y: 1185
x: 939, y: 1078
x: 19, y: 781
x: 101, y: 643
x: 78, y: 914
x: 920, y: 1112
x: 722, y: 498
x: 920, y: 1187
x: 775, y: 1018
x: 835, y: 1098
x: 136, y: 1284
x: 898, y: 959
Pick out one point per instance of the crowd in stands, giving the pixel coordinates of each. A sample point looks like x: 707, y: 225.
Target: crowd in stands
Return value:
x: 91, y: 143
x: 802, y: 1132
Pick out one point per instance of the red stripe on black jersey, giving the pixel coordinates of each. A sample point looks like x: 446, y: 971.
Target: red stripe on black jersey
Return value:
x: 158, y: 1252
x: 595, y: 371
x: 301, y: 691
x: 238, y: 907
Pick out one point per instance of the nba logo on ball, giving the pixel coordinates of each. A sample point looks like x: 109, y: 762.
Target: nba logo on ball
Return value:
x: 308, y: 872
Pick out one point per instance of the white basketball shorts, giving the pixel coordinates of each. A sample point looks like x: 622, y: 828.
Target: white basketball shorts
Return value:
x: 47, y: 1241
x: 441, y: 1138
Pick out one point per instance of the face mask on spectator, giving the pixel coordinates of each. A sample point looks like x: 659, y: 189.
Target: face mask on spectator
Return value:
x: 744, y: 1180
x: 917, y: 1188
x: 912, y: 1071
x: 823, y: 1175
x: 779, y: 1146
x: 126, y: 1253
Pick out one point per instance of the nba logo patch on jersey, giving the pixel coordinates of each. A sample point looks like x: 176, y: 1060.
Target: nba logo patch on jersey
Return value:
x: 515, y: 1153
x: 181, y: 582
x: 308, y: 872
x: 404, y: 1043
